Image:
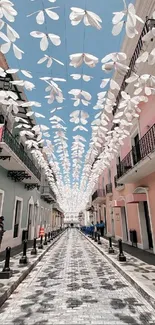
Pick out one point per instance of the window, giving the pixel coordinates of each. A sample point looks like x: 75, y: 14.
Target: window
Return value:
x: 42, y: 215
x: 109, y: 175
x: 136, y: 149
x: 17, y: 217
x: 3, y: 120
x: 118, y: 160
x: 103, y: 182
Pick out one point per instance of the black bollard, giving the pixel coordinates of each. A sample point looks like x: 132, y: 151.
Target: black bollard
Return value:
x: 6, y: 272
x: 45, y: 240
x: 49, y: 237
x: 34, y: 249
x: 23, y: 259
x: 110, y: 250
x: 121, y: 256
x: 41, y: 243
x: 99, y: 240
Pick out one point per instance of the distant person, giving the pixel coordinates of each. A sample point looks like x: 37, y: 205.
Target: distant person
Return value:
x: 1, y: 229
x: 97, y: 226
x: 102, y: 226
x: 92, y: 228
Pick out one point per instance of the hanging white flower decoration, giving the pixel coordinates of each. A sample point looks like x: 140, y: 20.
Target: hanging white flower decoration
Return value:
x: 80, y: 127
x: 24, y: 72
x: 149, y: 36
x: 27, y: 84
x: 130, y: 23
x: 30, y: 113
x: 49, y: 60
x: 40, y: 18
x: 52, y: 78
x: 79, y: 76
x: 113, y: 84
x: 5, y: 48
x: 79, y: 58
x: 57, y: 108
x: 7, y: 10
x: 79, y: 117
x: 44, y: 43
x: 115, y: 63
x: 55, y: 92
x: 89, y: 18
x: 78, y: 93
x: 147, y: 57
x: 31, y: 103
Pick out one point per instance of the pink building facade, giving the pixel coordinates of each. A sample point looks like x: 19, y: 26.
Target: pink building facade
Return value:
x: 125, y: 199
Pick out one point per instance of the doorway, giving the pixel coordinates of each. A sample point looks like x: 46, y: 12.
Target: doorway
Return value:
x: 136, y: 150
x: 30, y: 224
x: 125, y: 235
x: 105, y: 221
x: 1, y: 202
x: 112, y: 222
x: 148, y: 224
x: 145, y: 225
x: 36, y: 212
x: 17, y: 218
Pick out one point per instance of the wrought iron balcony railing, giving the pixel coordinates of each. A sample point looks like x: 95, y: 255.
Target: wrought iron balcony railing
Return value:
x: 10, y: 140
x: 141, y: 150
x: 149, y: 24
x: 98, y: 193
x: 47, y: 191
x: 109, y: 188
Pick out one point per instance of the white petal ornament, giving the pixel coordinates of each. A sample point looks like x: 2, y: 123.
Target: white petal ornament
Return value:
x: 49, y: 60
x: 89, y: 18
x: 78, y: 59
x: 80, y: 127
x: 44, y: 43
x: 83, y: 76
x: 130, y: 23
x: 7, y: 10
x: 40, y: 18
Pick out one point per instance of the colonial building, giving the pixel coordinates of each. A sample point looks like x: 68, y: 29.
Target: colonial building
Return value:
x: 125, y: 195
x: 25, y: 195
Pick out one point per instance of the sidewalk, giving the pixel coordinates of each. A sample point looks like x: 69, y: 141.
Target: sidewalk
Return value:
x: 16, y: 250
x: 144, y: 256
x: 140, y: 274
x: 7, y: 286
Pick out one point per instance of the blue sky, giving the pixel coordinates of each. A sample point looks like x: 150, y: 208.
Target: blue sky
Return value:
x: 73, y: 39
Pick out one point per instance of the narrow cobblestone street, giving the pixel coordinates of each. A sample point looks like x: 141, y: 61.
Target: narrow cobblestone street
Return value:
x: 74, y: 284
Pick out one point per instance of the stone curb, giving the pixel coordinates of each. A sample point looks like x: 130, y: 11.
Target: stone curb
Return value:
x: 146, y: 295
x: 24, y: 274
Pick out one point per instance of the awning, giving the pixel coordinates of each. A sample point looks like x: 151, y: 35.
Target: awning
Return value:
x: 118, y: 203
x: 136, y: 198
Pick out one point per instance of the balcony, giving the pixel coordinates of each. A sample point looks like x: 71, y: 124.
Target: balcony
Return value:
x: 109, y: 189
x: 140, y: 161
x: 119, y: 187
x: 99, y: 196
x: 15, y: 159
x: 47, y: 194
x: 149, y: 24
x: 57, y: 208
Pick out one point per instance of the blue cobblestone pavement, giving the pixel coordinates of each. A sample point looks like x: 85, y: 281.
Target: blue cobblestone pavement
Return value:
x: 75, y: 284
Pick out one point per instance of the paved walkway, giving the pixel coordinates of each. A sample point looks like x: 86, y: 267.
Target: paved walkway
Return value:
x: 145, y: 256
x: 75, y: 284
x: 16, y: 250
